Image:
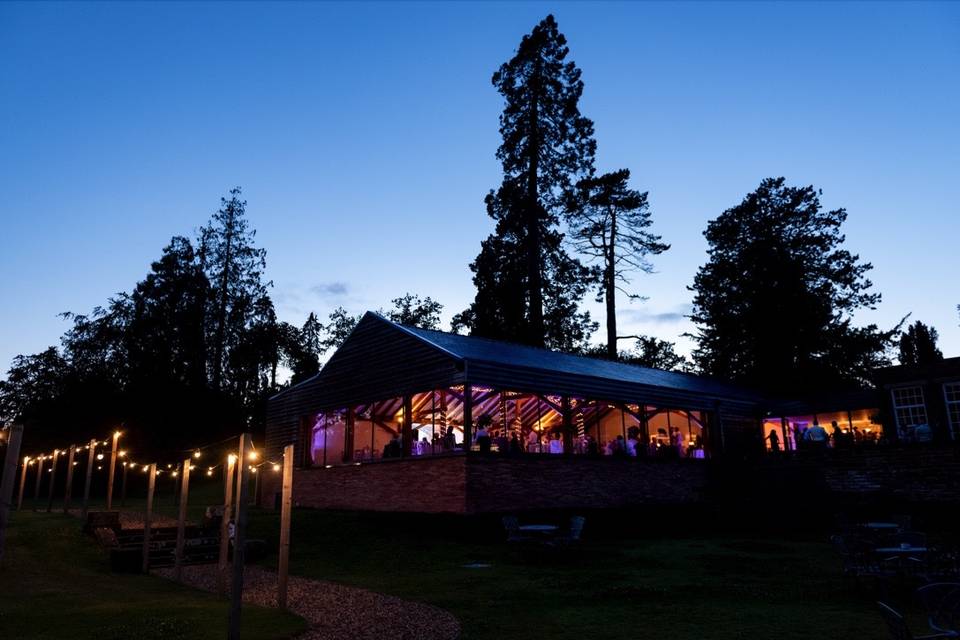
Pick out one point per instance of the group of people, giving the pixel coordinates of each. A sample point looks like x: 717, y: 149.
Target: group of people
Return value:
x: 817, y: 438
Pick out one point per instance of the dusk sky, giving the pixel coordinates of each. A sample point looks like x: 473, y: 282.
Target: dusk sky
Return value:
x: 364, y: 134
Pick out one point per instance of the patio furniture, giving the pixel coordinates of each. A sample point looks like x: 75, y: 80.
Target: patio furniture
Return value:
x: 512, y: 526
x: 898, y: 628
x: 941, y: 602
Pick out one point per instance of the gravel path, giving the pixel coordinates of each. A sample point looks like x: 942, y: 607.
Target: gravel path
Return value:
x: 335, y: 611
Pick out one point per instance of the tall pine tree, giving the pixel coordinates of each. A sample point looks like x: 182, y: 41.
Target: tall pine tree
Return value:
x: 610, y: 223
x: 528, y: 287
x: 918, y: 345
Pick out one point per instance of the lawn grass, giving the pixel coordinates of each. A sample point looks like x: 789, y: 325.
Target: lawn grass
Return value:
x: 56, y: 583
x: 663, y: 587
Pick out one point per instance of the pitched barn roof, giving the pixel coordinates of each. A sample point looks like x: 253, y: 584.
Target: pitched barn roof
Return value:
x: 506, y: 354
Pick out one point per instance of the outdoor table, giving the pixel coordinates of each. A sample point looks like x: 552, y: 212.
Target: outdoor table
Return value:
x: 901, y: 550
x: 538, y: 528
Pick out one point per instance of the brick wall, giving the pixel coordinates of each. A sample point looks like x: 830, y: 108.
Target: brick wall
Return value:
x: 435, y: 485
x: 913, y: 474
x: 498, y: 484
x: 440, y: 485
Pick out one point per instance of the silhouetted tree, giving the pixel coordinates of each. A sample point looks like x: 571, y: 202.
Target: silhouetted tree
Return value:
x: 413, y: 311
x: 33, y: 383
x: 657, y: 354
x: 165, y: 338
x: 774, y: 302
x: 547, y: 144
x: 918, y: 345
x: 338, y: 328
x: 609, y: 225
x: 234, y: 267
x: 301, y: 347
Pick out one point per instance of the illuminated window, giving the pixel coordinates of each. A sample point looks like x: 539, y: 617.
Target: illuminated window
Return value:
x: 951, y: 395
x: 909, y: 408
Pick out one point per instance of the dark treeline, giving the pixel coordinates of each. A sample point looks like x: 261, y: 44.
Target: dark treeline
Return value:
x: 194, y: 350
x: 187, y: 357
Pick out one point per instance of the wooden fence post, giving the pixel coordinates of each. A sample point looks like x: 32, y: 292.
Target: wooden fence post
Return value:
x: 239, y: 539
x: 113, y: 468
x: 86, y: 487
x: 68, y: 490
x: 286, y: 504
x: 123, y: 484
x: 53, y: 479
x: 36, y: 487
x: 182, y: 521
x: 9, y: 477
x: 23, y: 482
x: 148, y: 515
x: 225, y: 525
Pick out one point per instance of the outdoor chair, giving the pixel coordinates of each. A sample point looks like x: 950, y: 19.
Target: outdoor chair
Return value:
x: 941, y: 602
x: 512, y: 526
x: 913, y: 538
x: 898, y: 628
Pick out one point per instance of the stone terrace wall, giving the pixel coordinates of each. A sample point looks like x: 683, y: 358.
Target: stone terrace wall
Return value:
x: 556, y: 482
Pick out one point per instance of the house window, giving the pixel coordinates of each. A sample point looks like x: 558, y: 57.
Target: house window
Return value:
x: 909, y: 408
x: 951, y: 395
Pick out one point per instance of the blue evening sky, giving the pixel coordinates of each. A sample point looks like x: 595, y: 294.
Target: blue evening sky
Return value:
x: 364, y: 135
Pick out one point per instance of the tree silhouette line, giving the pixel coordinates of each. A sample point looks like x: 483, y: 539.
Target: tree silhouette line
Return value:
x: 196, y: 345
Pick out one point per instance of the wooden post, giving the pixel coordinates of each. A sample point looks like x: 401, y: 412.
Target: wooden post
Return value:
x: 91, y: 456
x: 123, y: 485
x: 406, y: 428
x: 68, y: 489
x: 148, y: 515
x: 36, y: 487
x: 225, y: 525
x: 567, y: 416
x: 286, y: 503
x: 23, y: 482
x: 9, y: 477
x: 239, y: 539
x: 182, y: 520
x: 53, y: 479
x: 467, y: 417
x: 113, y: 468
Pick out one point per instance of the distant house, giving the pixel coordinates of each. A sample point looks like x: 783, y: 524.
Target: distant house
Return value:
x: 928, y: 394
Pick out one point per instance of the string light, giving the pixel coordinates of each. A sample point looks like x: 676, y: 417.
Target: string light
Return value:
x: 122, y: 454
x: 276, y: 467
x: 196, y: 454
x: 99, y: 456
x: 253, y: 469
x: 253, y: 455
x: 116, y: 434
x: 209, y: 472
x: 231, y: 458
x: 146, y: 468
